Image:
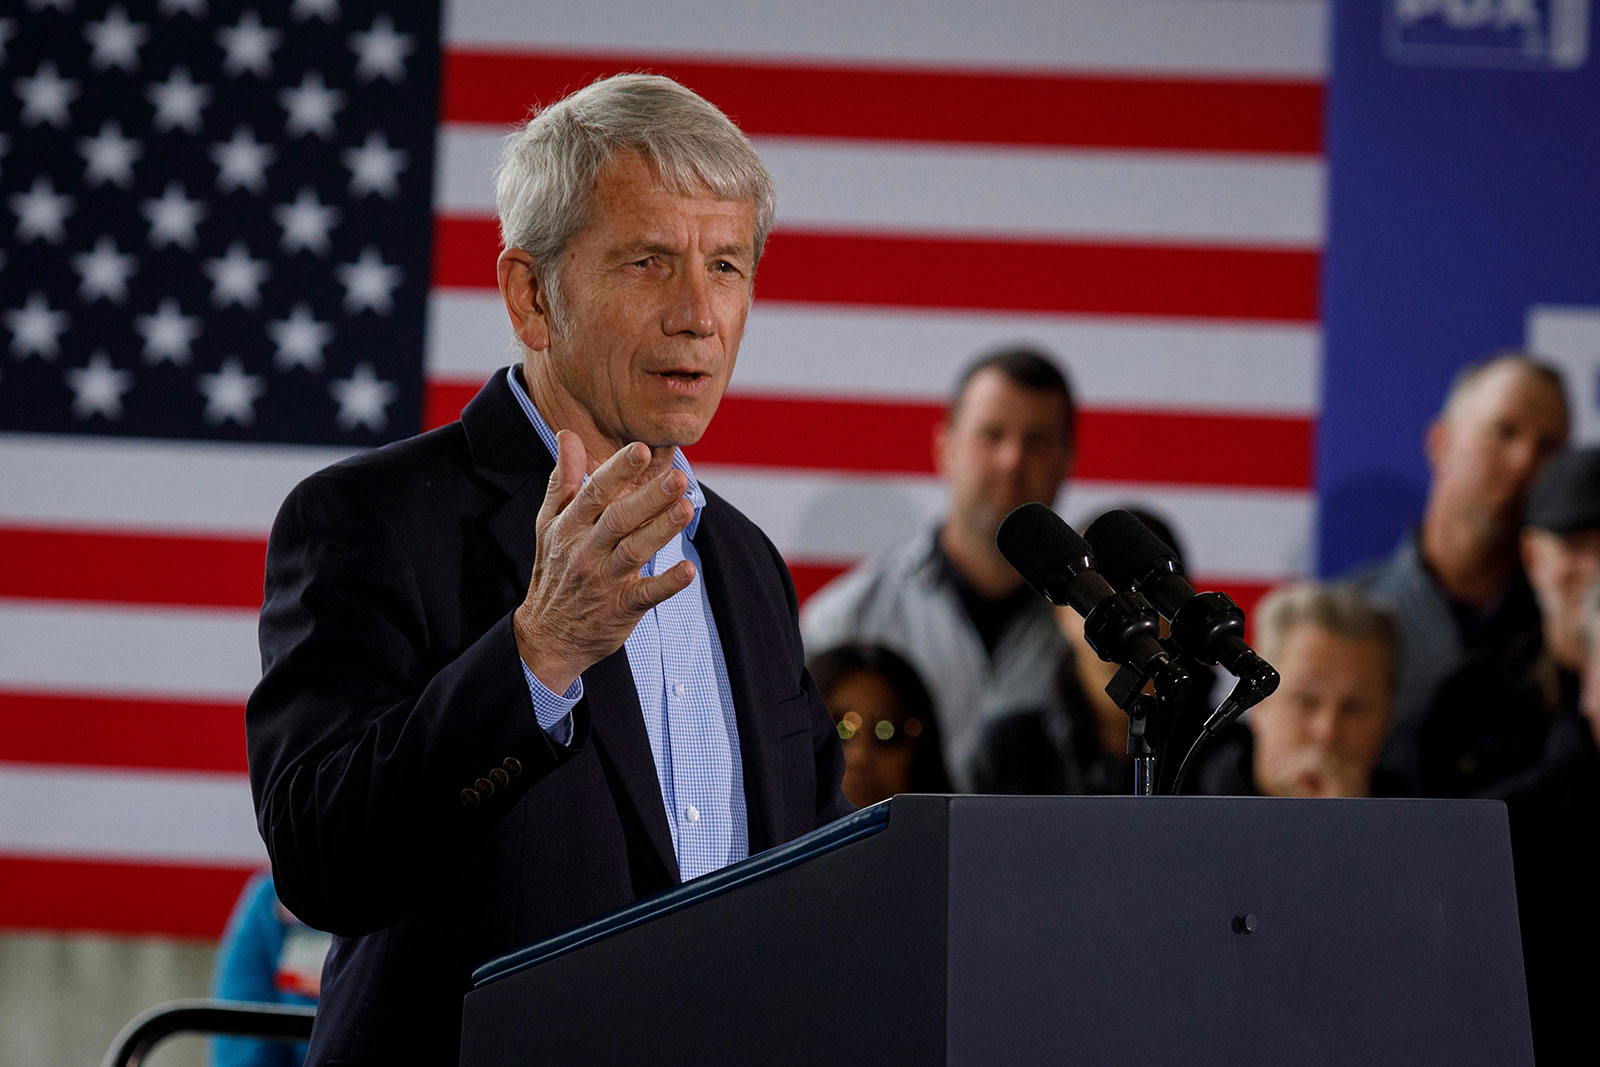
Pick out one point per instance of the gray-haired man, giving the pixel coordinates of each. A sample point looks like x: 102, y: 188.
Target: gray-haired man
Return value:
x: 523, y: 669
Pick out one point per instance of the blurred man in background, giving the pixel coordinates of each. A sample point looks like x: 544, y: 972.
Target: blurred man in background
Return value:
x: 1457, y: 586
x: 1490, y: 719
x: 1321, y: 733
x: 947, y: 600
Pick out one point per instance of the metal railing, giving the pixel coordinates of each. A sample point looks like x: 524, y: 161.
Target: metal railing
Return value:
x: 230, y: 1018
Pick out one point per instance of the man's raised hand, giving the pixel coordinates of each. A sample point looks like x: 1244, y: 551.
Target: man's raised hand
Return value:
x: 586, y: 593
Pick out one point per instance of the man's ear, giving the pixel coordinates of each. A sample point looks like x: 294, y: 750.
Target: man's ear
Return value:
x: 1434, y: 441
x: 525, y: 298
x: 940, y: 443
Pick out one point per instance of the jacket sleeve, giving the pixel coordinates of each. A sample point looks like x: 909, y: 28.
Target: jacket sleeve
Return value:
x: 378, y: 753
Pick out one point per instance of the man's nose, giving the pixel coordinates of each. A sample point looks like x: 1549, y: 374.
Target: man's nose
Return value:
x: 689, y: 308
x: 1321, y: 725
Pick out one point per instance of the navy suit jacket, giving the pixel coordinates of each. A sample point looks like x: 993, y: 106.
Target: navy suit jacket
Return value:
x: 408, y: 798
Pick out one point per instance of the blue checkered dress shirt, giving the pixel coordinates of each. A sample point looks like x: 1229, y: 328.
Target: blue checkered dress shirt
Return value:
x: 677, y: 665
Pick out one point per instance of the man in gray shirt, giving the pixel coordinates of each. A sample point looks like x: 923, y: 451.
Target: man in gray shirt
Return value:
x: 1456, y: 585
x: 946, y: 600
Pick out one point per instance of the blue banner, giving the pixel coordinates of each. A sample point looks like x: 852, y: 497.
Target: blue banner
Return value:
x: 1464, y: 217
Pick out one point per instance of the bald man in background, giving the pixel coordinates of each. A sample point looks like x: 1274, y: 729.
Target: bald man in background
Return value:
x: 1457, y: 585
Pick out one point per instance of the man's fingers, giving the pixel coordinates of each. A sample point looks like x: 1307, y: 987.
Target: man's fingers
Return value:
x: 636, y: 549
x: 567, y: 478
x: 646, y: 593
x: 610, y: 481
x: 630, y: 512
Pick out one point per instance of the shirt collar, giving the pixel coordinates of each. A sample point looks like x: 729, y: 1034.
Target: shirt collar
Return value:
x: 694, y: 494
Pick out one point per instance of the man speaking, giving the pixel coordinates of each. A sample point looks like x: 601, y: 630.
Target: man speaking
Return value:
x: 523, y: 669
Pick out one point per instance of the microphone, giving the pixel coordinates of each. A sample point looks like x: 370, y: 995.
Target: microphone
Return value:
x: 1206, y: 626
x: 1059, y: 565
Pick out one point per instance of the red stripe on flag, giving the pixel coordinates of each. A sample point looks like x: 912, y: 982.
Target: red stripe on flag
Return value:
x: 59, y: 728
x: 963, y: 273
x: 42, y: 893
x: 881, y: 436
x: 809, y: 577
x: 895, y: 104
x: 131, y: 568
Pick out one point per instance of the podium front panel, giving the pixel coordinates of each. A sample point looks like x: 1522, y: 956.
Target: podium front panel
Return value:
x: 1214, y: 930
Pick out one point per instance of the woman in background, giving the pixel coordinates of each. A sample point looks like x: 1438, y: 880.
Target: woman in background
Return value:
x: 885, y: 720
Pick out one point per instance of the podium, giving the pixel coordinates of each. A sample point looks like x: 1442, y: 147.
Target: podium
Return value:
x: 979, y: 930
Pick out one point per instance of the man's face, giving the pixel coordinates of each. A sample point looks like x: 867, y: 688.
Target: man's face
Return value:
x: 1003, y: 446
x: 1321, y: 733
x: 656, y: 289
x: 1488, y: 447
x: 1560, y: 568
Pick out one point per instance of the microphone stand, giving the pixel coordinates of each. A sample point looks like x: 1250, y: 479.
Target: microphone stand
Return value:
x: 1151, y: 717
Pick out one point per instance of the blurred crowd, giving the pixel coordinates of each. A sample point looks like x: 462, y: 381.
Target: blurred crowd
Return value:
x: 1466, y: 664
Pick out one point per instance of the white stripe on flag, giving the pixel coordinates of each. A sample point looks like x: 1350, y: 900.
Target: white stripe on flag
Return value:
x: 1261, y: 535
x: 104, y: 649
x: 1128, y: 197
x: 1156, y: 36
x: 100, y: 483
x: 128, y: 815
x: 862, y: 353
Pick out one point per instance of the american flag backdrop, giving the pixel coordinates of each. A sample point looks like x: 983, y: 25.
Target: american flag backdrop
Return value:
x: 238, y: 246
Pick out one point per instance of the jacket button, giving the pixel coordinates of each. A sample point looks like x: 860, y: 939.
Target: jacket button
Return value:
x: 470, y: 798
x: 499, y: 778
x: 512, y: 765
x: 484, y: 787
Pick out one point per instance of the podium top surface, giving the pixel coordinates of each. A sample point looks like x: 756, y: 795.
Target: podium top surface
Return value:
x: 835, y: 835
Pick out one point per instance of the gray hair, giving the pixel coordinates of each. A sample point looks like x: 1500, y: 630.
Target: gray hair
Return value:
x: 544, y: 183
x: 1337, y: 607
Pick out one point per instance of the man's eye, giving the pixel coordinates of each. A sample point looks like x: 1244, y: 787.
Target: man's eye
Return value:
x: 647, y: 261
x: 722, y: 266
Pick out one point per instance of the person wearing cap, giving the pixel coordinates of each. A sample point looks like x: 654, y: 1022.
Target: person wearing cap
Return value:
x: 1456, y: 585
x: 1490, y: 723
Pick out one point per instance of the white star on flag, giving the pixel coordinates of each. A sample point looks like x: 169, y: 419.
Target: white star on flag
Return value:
x: 168, y: 334
x: 104, y: 272
x: 178, y: 101
x: 41, y: 212
x: 300, y: 340
x: 362, y: 399
x: 380, y: 51
x: 109, y: 156
x: 174, y: 218
x: 115, y: 42
x: 311, y: 106
x: 374, y: 167
x: 231, y: 394
x: 306, y: 223
x: 242, y: 162
x: 236, y: 278
x: 46, y: 97
x: 369, y: 283
x: 36, y: 328
x: 248, y: 46
x: 98, y: 388
x: 304, y: 10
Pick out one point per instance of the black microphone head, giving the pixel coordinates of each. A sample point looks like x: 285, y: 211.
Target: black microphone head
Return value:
x: 1047, y: 552
x: 1127, y: 551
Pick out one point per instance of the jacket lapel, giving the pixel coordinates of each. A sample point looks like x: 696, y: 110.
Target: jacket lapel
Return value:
x: 729, y: 566
x: 507, y: 452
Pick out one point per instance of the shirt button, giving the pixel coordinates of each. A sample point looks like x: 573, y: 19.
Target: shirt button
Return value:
x: 692, y: 812
x: 677, y: 689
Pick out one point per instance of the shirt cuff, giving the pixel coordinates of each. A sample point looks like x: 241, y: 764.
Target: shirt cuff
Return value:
x: 554, y: 712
